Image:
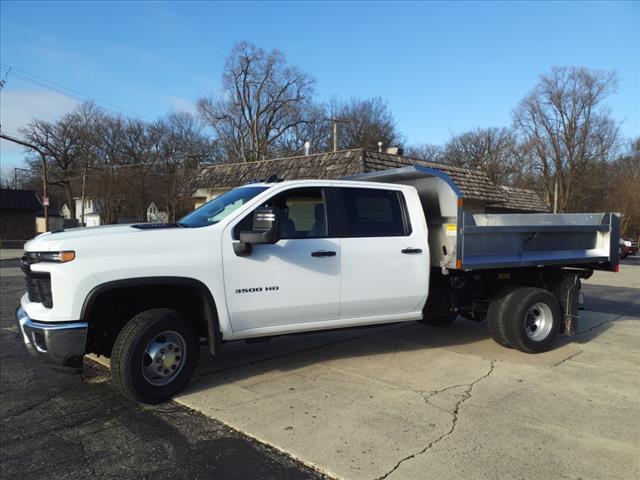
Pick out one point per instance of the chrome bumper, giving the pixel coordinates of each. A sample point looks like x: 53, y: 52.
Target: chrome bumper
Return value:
x: 61, y: 344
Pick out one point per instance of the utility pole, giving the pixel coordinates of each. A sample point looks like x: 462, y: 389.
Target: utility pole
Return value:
x: 335, y: 122
x: 555, y: 195
x: 45, y: 195
x: 84, y: 181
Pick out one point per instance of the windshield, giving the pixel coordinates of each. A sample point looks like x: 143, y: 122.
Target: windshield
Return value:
x: 215, y: 210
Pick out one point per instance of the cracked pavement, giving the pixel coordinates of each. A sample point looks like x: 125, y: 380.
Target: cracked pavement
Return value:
x: 466, y: 395
x: 407, y: 401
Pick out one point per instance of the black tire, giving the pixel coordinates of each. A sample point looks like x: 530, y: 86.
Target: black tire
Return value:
x: 130, y: 362
x: 623, y: 254
x: 440, y: 321
x: 531, y: 319
x: 495, y: 315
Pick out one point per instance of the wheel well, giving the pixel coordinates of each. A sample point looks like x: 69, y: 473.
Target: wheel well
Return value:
x: 109, y: 307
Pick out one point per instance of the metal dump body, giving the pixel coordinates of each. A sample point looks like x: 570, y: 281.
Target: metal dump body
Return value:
x: 463, y: 236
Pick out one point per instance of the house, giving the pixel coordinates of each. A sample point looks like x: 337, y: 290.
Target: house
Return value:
x: 65, y: 212
x: 18, y: 211
x: 23, y: 217
x: 56, y: 220
x: 154, y: 215
x: 91, y: 215
x: 519, y: 200
x: 480, y: 193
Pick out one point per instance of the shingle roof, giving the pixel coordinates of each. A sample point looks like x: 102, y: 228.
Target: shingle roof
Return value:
x: 521, y: 199
x: 473, y: 184
x: 26, y: 200
x: 322, y: 166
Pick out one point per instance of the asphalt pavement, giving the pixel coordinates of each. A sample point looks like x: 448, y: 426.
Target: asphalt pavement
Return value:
x: 60, y: 426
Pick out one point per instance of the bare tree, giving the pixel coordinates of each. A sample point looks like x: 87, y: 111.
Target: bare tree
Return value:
x: 564, y: 121
x: 492, y: 150
x: 263, y: 100
x: 65, y: 144
x: 624, y: 191
x: 109, y: 188
x: 181, y: 147
x: 426, y: 151
x: 364, y: 123
x: 317, y: 130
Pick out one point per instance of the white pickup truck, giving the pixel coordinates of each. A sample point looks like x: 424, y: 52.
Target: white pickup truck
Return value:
x: 275, y: 258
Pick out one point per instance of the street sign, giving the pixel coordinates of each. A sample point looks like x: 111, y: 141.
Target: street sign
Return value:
x: 45, y: 201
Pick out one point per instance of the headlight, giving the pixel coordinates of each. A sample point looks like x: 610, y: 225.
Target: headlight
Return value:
x: 55, y: 257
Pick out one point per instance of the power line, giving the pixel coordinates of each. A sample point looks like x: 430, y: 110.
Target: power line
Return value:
x: 59, y: 88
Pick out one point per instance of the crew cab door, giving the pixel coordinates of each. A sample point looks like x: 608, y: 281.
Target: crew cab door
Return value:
x: 385, y: 259
x: 294, y: 281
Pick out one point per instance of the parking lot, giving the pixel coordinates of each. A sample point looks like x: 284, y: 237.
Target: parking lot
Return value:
x: 398, y: 401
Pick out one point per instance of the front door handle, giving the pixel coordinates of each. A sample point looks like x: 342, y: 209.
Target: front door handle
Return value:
x: 410, y: 251
x: 323, y: 253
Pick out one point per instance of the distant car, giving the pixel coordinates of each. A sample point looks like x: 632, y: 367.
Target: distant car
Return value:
x: 628, y: 247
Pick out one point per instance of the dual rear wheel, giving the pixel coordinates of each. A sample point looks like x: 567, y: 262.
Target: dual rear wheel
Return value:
x: 524, y: 318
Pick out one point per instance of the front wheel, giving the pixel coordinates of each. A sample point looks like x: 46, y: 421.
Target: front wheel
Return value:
x: 154, y: 355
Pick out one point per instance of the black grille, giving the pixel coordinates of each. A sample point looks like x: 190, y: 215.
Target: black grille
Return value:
x: 38, y: 284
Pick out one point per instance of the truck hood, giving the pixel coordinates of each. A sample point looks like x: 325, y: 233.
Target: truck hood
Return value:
x: 124, y: 251
x: 102, y: 236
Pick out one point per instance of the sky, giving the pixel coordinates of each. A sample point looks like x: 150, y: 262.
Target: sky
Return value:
x: 444, y: 68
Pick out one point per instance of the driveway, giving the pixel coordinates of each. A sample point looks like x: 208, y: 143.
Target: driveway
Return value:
x: 403, y: 401
x: 408, y: 400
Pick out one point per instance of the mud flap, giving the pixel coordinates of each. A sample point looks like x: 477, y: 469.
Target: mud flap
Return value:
x: 567, y: 291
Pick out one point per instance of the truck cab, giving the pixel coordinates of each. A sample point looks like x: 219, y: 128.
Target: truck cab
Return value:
x: 337, y: 254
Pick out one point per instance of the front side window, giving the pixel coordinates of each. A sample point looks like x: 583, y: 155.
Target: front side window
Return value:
x: 372, y: 212
x: 220, y: 207
x: 303, y: 214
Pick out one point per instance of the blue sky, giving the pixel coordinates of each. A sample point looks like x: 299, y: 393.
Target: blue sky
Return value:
x: 443, y: 67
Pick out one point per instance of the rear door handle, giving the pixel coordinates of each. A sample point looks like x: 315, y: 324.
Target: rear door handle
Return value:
x: 410, y: 251
x: 323, y: 253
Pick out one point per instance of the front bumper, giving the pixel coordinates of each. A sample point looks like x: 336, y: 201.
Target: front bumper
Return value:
x: 62, y: 344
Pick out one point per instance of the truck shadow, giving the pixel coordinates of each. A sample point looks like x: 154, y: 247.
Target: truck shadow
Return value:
x: 239, y: 360
x: 608, y: 299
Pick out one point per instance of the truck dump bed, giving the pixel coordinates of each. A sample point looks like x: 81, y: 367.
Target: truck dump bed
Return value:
x: 463, y: 236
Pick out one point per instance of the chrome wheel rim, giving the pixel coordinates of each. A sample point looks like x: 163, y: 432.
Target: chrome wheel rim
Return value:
x: 539, y: 321
x: 163, y: 358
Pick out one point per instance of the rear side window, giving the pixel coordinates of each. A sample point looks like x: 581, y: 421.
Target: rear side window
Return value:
x: 369, y: 212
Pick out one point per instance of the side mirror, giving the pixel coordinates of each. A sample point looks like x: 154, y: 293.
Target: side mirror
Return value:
x: 264, y: 230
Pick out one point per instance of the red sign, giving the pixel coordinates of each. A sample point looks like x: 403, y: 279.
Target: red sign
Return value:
x: 45, y: 201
